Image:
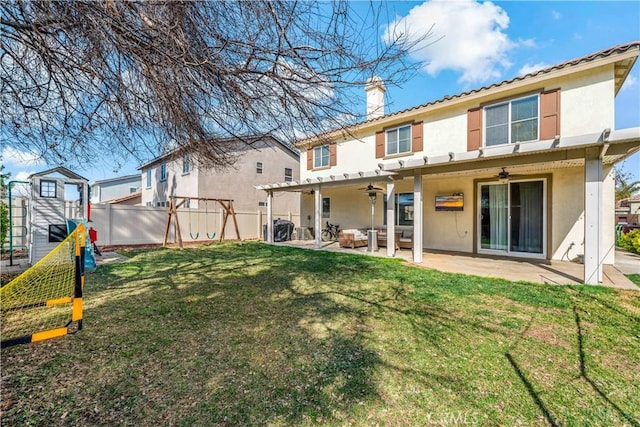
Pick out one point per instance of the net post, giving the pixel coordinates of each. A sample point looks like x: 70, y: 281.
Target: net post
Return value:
x: 81, y: 239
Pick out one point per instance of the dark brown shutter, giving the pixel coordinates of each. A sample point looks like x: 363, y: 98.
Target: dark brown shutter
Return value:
x: 379, y: 144
x: 416, y: 132
x: 549, y: 114
x: 310, y: 159
x: 333, y: 149
x: 474, y: 129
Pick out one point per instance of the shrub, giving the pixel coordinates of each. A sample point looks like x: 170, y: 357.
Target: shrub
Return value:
x: 631, y: 241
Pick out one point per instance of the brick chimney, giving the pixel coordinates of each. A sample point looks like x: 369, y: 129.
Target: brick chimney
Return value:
x: 375, y: 97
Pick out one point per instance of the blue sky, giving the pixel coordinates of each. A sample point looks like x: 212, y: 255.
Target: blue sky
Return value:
x: 478, y: 44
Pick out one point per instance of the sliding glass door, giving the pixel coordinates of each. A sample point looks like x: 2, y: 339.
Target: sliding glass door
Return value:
x: 512, y: 218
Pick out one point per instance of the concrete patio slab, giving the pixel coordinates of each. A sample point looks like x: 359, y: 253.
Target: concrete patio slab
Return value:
x: 514, y: 269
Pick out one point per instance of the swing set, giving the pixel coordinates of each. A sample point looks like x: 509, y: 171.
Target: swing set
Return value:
x: 176, y: 202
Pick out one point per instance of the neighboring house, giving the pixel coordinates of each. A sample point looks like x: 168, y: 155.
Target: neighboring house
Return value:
x: 132, y: 199
x: 520, y: 168
x: 628, y: 210
x: 264, y: 161
x: 106, y: 190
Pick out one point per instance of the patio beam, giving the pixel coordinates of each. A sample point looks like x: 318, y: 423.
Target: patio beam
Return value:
x: 417, y: 217
x: 593, y: 253
x: 318, y: 216
x: 391, y: 219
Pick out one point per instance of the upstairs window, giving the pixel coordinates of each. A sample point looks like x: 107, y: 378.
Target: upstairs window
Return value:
x: 288, y: 174
x: 321, y: 156
x: 259, y: 167
x: 512, y: 121
x: 148, y: 178
x: 398, y: 140
x: 186, y: 163
x: 48, y: 189
x: 163, y: 172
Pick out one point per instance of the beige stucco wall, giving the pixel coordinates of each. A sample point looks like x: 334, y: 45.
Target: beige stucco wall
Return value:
x: 586, y: 102
x: 176, y: 184
x: 237, y: 182
x: 568, y: 214
x: 453, y: 231
x: 350, y: 208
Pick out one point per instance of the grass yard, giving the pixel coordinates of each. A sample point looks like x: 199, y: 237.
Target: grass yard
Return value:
x: 253, y: 334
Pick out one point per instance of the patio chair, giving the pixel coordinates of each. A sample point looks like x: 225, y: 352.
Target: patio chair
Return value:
x: 352, y: 239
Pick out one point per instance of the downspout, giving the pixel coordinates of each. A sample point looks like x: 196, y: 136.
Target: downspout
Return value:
x: 11, y: 220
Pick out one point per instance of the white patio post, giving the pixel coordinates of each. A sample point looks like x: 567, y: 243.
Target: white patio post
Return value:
x: 417, y: 217
x: 318, y: 216
x: 593, y: 253
x: 269, y: 216
x: 391, y: 219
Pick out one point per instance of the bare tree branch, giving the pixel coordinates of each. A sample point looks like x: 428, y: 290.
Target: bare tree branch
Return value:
x: 80, y: 79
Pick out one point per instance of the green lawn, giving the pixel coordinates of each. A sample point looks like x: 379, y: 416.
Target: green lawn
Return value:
x: 252, y: 334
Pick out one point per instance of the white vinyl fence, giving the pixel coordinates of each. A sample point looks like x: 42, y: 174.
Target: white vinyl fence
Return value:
x: 135, y: 225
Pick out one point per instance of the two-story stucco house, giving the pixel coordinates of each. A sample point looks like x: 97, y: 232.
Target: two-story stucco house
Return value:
x: 124, y: 188
x: 264, y: 161
x: 519, y: 168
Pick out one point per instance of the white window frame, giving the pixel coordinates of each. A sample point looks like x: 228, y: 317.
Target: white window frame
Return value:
x: 186, y: 164
x: 509, y: 121
x: 397, y: 132
x: 508, y: 251
x: 288, y: 174
x: 148, y: 178
x: 163, y: 172
x: 318, y: 160
x: 259, y: 167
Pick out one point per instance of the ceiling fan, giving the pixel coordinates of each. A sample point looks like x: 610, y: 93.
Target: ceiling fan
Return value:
x: 505, y: 176
x: 371, y: 189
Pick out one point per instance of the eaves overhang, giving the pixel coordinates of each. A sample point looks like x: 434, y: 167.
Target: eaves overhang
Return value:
x: 614, y: 146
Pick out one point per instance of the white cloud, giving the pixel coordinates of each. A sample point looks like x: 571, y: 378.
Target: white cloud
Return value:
x: 470, y: 38
x: 20, y: 158
x: 527, y: 42
x: 23, y: 175
x: 630, y: 82
x: 577, y: 36
x: 529, y: 68
x: 555, y: 15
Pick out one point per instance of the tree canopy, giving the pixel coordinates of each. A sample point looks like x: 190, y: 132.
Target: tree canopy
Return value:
x: 85, y: 79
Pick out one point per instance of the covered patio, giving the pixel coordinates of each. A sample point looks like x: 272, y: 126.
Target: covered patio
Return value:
x: 574, y: 184
x: 515, y: 269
